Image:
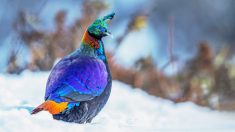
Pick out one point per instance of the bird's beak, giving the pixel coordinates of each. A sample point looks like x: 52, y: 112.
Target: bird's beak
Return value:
x: 108, y: 34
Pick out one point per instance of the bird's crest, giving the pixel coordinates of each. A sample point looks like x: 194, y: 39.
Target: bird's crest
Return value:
x: 108, y: 17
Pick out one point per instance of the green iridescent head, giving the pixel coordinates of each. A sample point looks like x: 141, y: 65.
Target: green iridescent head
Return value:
x: 99, y: 27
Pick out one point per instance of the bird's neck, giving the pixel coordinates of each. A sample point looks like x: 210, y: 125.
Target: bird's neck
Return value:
x: 92, y: 46
x: 89, y: 40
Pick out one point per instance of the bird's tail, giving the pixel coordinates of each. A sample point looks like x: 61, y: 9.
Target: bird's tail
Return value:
x: 51, y: 106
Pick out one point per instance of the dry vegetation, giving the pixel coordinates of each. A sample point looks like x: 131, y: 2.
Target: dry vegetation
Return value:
x: 208, y: 79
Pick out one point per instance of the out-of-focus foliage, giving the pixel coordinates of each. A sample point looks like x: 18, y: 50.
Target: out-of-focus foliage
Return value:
x: 208, y: 78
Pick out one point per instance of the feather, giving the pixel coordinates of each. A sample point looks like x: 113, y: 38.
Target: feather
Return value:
x: 51, y: 106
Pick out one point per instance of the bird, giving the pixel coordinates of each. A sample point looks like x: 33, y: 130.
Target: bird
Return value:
x: 79, y: 85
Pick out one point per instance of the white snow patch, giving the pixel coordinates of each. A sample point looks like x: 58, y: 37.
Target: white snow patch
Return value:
x: 128, y: 110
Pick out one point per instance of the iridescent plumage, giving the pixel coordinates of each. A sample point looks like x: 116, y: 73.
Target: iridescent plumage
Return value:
x: 79, y: 85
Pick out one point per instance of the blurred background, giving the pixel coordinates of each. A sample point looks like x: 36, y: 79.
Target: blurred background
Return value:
x: 181, y: 50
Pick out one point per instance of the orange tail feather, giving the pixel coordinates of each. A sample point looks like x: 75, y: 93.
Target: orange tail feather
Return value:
x: 51, y: 106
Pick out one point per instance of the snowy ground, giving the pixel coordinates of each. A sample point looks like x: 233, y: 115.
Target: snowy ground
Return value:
x: 128, y: 110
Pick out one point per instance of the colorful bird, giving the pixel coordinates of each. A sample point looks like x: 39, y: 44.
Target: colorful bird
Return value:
x: 80, y: 84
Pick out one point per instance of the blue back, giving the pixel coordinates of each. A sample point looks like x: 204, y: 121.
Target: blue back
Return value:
x: 77, y: 78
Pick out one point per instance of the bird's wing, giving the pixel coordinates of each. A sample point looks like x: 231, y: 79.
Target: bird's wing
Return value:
x: 78, y: 79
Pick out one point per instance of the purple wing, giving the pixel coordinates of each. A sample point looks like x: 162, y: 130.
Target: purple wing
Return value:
x: 79, y: 79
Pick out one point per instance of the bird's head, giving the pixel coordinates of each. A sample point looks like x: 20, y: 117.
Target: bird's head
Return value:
x: 98, y: 28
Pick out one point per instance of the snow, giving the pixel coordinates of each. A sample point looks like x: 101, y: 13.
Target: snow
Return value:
x: 128, y: 110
